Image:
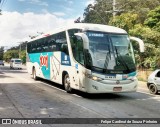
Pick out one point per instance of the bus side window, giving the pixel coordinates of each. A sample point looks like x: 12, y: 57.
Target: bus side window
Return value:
x: 39, y: 48
x: 77, y: 49
x: 61, y: 43
x: 45, y: 45
x: 52, y: 43
x: 29, y: 47
x: 34, y: 46
x: 71, y: 33
x: 64, y: 48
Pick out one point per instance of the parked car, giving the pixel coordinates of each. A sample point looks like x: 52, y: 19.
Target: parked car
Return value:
x: 154, y: 82
x: 16, y: 63
x: 1, y: 62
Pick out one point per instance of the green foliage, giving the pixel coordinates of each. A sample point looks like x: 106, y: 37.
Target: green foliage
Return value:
x: 101, y: 11
x: 15, y: 54
x: 10, y: 54
x: 96, y: 13
x: 1, y: 53
x: 147, y: 34
x: 23, y: 56
x: 125, y: 21
x: 153, y: 20
x: 150, y: 58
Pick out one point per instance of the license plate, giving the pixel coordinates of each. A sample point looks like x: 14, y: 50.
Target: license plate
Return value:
x: 117, y: 89
x: 110, y: 77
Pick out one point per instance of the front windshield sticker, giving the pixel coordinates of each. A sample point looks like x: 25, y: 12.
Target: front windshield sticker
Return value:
x: 96, y: 35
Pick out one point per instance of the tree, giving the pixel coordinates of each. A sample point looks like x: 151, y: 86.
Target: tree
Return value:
x: 140, y: 7
x: 1, y: 52
x: 150, y: 58
x: 23, y: 56
x: 14, y: 52
x: 125, y: 21
x: 153, y: 20
x: 97, y: 13
x: 10, y: 54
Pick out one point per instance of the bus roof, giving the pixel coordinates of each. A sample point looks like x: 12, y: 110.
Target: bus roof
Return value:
x: 85, y: 27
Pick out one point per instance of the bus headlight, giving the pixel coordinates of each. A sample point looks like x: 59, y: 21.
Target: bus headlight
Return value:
x: 95, y: 78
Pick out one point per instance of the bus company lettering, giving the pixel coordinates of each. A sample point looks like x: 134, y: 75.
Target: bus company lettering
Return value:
x: 44, y: 61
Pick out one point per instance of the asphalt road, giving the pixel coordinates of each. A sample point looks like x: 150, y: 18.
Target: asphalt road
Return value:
x: 22, y: 97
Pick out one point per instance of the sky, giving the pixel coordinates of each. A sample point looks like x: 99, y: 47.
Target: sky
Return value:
x: 22, y: 18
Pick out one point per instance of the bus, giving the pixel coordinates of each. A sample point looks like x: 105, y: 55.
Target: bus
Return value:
x: 92, y: 58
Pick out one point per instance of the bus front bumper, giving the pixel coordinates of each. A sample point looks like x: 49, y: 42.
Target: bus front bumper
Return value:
x: 110, y: 87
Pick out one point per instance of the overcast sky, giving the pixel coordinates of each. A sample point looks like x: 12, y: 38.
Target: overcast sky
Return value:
x: 21, y: 18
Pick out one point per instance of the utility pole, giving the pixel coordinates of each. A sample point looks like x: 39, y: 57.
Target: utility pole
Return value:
x: 114, y: 10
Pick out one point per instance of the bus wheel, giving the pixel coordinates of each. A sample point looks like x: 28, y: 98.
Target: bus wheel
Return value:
x: 153, y: 89
x: 34, y: 74
x: 66, y: 82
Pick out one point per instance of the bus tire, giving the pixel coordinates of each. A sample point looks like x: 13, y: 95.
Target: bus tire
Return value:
x: 34, y: 74
x: 66, y: 83
x: 153, y: 89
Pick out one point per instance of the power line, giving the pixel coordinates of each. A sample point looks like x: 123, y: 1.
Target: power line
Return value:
x: 2, y: 3
x: 98, y: 15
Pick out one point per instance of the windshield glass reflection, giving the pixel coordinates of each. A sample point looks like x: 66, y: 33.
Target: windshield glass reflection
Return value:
x: 111, y: 52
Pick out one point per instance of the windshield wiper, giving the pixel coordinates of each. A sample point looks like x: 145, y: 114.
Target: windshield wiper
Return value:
x: 122, y: 60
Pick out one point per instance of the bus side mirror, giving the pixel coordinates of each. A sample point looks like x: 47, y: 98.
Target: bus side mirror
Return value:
x: 140, y: 42
x: 84, y: 38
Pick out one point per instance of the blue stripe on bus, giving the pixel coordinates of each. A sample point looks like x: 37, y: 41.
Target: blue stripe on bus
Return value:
x: 132, y: 74
x: 35, y: 58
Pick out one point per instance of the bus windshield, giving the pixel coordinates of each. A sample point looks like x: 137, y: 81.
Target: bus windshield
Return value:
x: 111, y: 53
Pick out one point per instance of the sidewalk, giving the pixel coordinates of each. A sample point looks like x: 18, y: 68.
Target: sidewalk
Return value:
x: 142, y: 86
x: 142, y: 83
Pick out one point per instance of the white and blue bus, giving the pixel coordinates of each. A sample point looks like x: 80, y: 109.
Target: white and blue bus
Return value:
x: 88, y: 57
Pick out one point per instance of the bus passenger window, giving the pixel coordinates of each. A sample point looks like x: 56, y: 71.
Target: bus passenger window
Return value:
x: 61, y: 42
x: 64, y: 48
